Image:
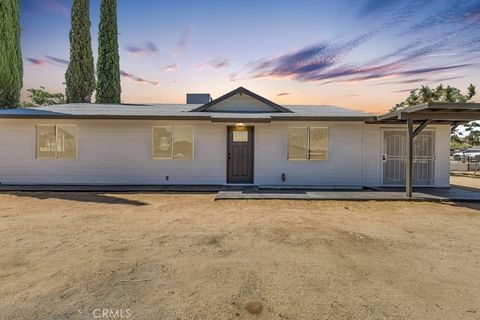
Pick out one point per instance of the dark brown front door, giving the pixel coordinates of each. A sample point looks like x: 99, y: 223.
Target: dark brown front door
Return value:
x: 240, y: 155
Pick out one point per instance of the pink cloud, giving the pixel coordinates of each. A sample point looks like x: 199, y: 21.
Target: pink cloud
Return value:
x: 473, y: 16
x: 138, y: 79
x: 56, y: 6
x: 199, y: 67
x: 171, y: 67
x: 147, y: 49
x: 216, y: 64
x: 50, y: 61
x: 183, y: 42
x: 219, y: 63
x: 37, y: 62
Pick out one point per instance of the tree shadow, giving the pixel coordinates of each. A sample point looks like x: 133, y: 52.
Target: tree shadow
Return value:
x: 78, y: 196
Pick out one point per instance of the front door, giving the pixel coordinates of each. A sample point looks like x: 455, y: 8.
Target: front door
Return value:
x: 395, y: 158
x: 240, y: 155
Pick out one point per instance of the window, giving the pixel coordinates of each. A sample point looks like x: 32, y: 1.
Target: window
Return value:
x: 240, y: 136
x: 56, y: 142
x: 162, y: 143
x: 172, y: 143
x: 308, y: 143
x: 297, y: 143
x: 318, y: 144
x: 183, y: 143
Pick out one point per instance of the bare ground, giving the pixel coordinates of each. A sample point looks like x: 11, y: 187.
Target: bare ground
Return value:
x: 63, y: 255
x: 467, y: 180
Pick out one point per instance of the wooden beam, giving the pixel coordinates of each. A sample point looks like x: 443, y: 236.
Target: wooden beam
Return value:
x: 409, y: 171
x: 421, y: 127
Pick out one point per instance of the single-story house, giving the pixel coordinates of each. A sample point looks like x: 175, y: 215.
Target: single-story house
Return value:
x: 239, y: 138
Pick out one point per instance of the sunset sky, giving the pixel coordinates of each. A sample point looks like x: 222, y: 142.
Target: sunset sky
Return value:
x: 362, y: 54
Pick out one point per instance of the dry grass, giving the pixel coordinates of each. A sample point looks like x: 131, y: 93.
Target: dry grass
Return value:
x: 187, y: 257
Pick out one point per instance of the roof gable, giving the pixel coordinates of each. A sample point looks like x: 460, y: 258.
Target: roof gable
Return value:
x: 241, y: 100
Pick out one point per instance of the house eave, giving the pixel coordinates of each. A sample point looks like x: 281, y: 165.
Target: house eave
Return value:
x: 211, y: 118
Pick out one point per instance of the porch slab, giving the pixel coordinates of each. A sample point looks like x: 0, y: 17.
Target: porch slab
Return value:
x: 381, y: 194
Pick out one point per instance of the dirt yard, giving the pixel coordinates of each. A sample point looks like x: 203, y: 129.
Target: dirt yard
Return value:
x: 466, y: 180
x: 153, y: 256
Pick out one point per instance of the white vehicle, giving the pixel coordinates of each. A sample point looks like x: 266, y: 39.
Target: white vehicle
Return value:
x: 471, y: 154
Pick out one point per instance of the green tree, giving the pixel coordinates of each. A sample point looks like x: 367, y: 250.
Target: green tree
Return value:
x: 41, y: 97
x: 473, y: 133
x: 439, y: 94
x: 11, y: 66
x: 108, y: 64
x: 80, y: 75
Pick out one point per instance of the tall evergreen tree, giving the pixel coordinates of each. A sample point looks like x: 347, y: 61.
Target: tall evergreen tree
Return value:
x: 108, y: 64
x: 11, y: 67
x: 80, y: 75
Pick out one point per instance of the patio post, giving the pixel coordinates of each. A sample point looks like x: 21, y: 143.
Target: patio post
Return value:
x: 409, y: 173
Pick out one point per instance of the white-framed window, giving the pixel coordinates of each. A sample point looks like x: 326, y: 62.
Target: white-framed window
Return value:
x: 308, y: 143
x: 175, y: 143
x: 56, y: 141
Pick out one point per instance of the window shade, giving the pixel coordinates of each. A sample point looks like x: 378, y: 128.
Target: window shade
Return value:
x: 46, y: 142
x: 297, y: 143
x: 318, y: 144
x: 66, y: 142
x: 162, y: 143
x: 183, y: 143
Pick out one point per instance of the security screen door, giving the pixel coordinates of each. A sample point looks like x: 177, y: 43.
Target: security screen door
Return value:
x: 395, y: 158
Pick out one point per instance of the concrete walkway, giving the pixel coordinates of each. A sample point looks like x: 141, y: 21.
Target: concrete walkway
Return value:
x: 229, y: 192
x: 383, y: 194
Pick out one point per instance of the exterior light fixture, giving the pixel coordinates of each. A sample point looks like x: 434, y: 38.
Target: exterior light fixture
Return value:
x: 240, y: 124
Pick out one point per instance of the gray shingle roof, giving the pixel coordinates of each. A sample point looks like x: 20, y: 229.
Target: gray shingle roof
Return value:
x: 181, y: 111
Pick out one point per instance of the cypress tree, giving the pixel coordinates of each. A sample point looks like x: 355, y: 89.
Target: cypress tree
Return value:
x: 11, y: 67
x: 108, y: 64
x: 80, y: 75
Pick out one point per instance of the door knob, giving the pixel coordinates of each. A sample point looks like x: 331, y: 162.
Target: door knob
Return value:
x: 229, y: 156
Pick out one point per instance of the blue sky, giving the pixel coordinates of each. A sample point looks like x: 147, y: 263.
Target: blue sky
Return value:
x: 364, y: 54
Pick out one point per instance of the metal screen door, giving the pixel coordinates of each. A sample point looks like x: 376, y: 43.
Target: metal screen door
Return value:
x: 395, y: 158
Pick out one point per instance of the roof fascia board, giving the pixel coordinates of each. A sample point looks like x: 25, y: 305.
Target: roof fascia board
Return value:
x: 450, y: 116
x: 323, y: 118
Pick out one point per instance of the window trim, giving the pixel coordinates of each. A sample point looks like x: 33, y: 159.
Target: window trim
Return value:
x: 172, y: 143
x: 308, y: 144
x: 55, y: 126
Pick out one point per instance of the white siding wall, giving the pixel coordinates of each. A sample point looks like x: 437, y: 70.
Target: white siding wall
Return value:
x: 343, y: 168
x: 373, y: 153
x: 111, y: 152
x: 241, y: 103
x: 119, y: 152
